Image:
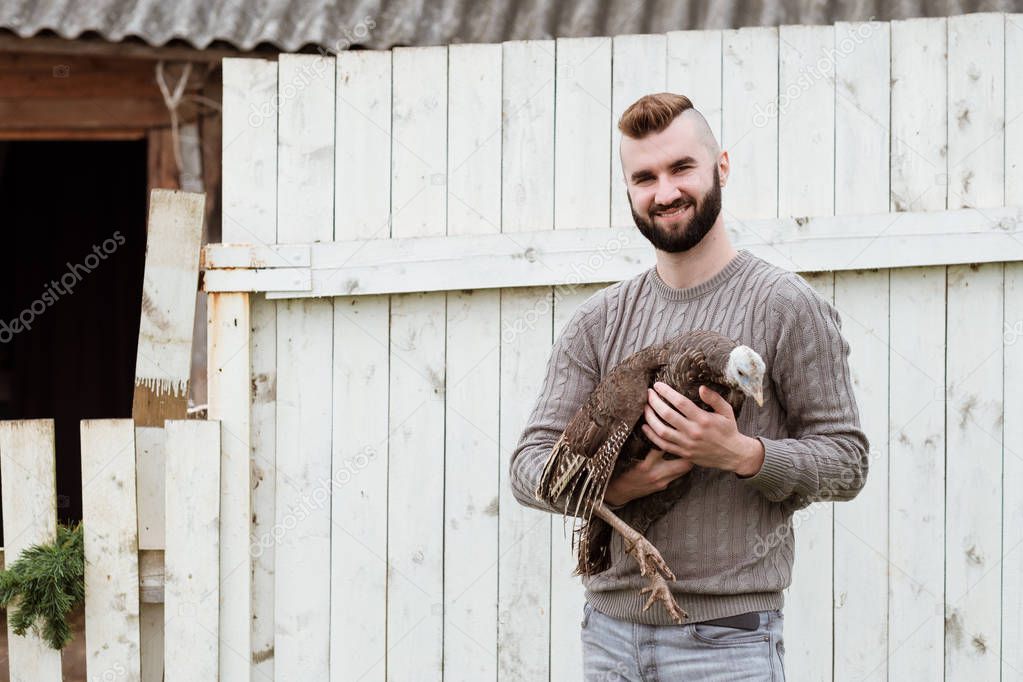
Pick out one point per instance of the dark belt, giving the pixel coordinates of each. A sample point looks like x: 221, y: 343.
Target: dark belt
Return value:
x: 743, y: 621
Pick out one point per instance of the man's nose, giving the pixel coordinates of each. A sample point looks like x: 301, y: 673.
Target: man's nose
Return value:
x: 667, y: 192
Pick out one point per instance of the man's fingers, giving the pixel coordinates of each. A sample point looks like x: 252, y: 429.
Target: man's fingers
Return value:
x: 715, y: 401
x: 654, y: 438
x: 676, y: 467
x: 679, y: 402
x: 660, y: 406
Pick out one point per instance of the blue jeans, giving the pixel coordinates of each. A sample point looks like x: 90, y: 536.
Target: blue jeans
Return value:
x: 615, y: 650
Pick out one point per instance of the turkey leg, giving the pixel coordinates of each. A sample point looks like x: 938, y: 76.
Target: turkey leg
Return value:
x: 651, y: 564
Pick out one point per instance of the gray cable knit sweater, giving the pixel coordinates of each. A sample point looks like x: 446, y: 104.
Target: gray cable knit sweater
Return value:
x: 728, y: 540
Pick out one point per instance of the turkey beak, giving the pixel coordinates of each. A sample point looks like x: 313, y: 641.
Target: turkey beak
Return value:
x: 759, y: 396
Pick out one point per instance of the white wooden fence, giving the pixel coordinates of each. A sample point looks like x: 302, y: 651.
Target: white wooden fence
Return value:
x: 119, y: 461
x: 367, y: 530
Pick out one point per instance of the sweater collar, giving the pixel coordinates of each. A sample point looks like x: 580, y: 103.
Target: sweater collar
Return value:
x: 670, y: 293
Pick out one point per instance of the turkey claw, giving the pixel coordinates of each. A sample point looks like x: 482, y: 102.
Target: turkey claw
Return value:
x: 649, y: 559
x: 659, y: 591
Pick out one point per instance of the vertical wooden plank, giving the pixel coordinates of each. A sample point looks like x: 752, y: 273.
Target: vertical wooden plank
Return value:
x: 524, y: 626
x: 806, y: 185
x: 359, y: 502
x: 362, y: 159
x: 694, y: 70
x: 418, y: 171
x: 249, y: 199
x: 973, y: 414
x: 471, y: 475
x: 639, y: 68
x: 111, y: 549
x: 567, y: 593
x: 415, y: 521
x: 581, y: 137
x: 527, y: 150
x: 163, y: 361
x: 305, y: 181
x: 474, y: 139
x: 28, y: 480
x: 149, y: 479
x: 358, y: 549
x: 976, y: 110
x: 862, y: 162
x: 1012, y: 331
x: 974, y: 410
x: 415, y: 475
x: 471, y: 485
x: 192, y: 589
x: 917, y: 362
x: 230, y: 396
x: 749, y: 121
x: 524, y: 596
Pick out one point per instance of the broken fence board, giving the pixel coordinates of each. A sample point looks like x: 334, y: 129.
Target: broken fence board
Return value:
x: 163, y: 361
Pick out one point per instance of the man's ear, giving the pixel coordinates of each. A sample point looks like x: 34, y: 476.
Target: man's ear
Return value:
x: 724, y: 166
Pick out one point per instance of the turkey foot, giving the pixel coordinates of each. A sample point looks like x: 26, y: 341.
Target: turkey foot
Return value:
x: 659, y: 591
x: 651, y: 563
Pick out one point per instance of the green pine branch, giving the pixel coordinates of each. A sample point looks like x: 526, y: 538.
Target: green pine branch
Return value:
x: 46, y: 582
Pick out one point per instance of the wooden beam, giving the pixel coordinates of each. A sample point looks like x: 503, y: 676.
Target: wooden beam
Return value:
x: 131, y: 49
x: 585, y: 256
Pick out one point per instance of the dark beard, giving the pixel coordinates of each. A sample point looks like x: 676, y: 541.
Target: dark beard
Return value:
x: 686, y: 237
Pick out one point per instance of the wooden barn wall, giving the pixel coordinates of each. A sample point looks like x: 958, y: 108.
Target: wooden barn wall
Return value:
x: 385, y: 543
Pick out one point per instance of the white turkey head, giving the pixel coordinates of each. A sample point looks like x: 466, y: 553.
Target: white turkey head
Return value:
x: 745, y: 371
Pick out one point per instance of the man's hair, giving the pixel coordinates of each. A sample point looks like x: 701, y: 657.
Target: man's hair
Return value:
x: 652, y: 114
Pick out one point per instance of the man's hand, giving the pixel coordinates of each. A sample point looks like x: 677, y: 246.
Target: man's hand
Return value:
x: 676, y: 425
x: 651, y: 475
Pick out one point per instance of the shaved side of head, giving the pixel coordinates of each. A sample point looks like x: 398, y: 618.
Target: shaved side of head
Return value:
x: 703, y: 132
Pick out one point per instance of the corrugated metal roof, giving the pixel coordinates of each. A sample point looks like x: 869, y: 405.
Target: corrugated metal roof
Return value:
x: 290, y: 25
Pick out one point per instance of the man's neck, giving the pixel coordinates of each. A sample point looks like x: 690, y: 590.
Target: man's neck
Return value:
x: 698, y: 264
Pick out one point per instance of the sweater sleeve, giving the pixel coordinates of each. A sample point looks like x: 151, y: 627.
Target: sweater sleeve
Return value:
x: 572, y: 374
x: 825, y: 456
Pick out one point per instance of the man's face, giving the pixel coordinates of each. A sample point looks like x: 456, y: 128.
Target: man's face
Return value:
x: 673, y: 184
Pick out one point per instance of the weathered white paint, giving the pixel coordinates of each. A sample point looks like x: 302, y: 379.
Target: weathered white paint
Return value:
x: 111, y: 549
x: 28, y: 478
x: 192, y: 587
x: 1012, y: 429
x: 361, y: 327
x: 472, y: 397
x: 917, y: 361
x: 255, y: 256
x: 974, y: 409
x: 172, y: 268
x: 302, y: 529
x: 581, y: 142
x: 229, y: 390
x: 415, y: 472
x: 250, y: 215
x: 150, y: 471
x: 862, y: 298
x: 297, y: 280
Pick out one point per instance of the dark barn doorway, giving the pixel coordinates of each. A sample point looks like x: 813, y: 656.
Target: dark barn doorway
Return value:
x: 74, y: 230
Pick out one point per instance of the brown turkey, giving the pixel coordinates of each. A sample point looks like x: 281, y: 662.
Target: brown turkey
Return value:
x: 605, y: 438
